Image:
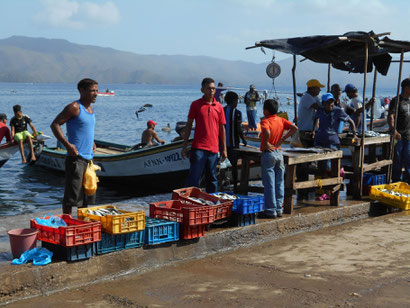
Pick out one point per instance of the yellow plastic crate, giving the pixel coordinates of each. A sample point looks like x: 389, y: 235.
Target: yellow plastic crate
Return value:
x: 396, y: 201
x: 115, y: 224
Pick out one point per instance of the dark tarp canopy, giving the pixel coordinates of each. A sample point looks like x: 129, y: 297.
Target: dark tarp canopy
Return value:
x: 344, y: 52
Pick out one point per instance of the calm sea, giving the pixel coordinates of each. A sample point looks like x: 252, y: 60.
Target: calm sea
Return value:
x: 26, y: 188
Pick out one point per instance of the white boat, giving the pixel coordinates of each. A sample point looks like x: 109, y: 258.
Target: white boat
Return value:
x: 147, y: 166
x: 106, y: 93
x: 7, y: 150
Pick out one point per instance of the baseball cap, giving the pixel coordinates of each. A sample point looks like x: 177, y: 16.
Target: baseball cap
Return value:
x: 150, y: 122
x: 327, y: 96
x: 3, y: 116
x: 314, y: 83
x: 350, y: 88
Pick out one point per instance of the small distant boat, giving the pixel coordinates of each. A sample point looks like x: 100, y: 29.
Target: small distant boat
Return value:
x: 7, y: 150
x: 106, y: 93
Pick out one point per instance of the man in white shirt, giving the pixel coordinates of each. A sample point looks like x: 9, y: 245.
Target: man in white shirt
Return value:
x: 307, y: 110
x: 356, y: 104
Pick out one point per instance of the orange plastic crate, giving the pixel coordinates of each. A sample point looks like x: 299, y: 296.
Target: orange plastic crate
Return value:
x: 76, y: 233
x: 183, y: 212
x: 222, y: 210
x: 191, y: 232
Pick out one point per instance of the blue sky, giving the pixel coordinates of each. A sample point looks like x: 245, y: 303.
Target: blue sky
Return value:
x: 216, y: 28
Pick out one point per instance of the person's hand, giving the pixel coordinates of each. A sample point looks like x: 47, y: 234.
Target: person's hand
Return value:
x: 397, y: 135
x: 313, y: 133
x: 224, y: 155
x: 278, y: 144
x: 94, y: 147
x: 162, y: 142
x: 183, y: 152
x: 72, y: 150
x: 245, y: 143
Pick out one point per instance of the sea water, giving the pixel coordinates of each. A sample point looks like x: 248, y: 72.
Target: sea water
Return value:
x: 25, y: 188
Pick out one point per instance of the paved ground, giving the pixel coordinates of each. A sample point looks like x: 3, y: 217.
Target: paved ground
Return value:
x: 360, y: 264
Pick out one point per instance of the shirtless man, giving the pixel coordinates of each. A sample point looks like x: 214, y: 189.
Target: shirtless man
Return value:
x: 150, y: 134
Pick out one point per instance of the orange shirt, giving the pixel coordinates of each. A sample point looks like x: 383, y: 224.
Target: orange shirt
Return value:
x: 276, y: 125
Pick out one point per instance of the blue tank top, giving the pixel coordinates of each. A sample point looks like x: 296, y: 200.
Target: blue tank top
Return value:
x: 80, y: 131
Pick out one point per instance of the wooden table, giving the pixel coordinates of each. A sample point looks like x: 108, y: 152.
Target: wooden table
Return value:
x: 371, y: 162
x: 292, y: 159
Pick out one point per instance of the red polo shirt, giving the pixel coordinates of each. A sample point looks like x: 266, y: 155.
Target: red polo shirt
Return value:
x: 207, y: 118
x: 4, y: 131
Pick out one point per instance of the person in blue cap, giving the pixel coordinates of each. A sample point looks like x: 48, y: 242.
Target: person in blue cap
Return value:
x: 327, y: 119
x: 356, y: 104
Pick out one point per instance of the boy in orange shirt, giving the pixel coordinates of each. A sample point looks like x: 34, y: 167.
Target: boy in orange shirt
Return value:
x: 273, y: 167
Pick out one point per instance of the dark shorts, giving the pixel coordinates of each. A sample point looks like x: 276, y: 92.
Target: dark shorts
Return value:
x: 74, y: 193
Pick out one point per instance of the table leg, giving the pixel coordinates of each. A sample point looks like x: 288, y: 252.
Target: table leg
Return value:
x: 335, y: 173
x: 244, y: 184
x: 290, y: 171
x: 356, y: 170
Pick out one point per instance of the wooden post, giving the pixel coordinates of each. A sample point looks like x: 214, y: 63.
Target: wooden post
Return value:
x: 366, y: 60
x: 373, y: 97
x: 389, y: 172
x: 294, y: 90
x: 328, y: 78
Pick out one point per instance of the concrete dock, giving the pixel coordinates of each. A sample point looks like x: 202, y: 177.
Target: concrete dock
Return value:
x: 25, y: 281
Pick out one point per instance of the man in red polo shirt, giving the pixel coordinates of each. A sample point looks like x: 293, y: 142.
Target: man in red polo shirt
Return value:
x: 210, y: 122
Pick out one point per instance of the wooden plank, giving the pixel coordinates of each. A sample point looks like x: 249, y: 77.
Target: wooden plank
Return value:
x: 300, y: 158
x: 377, y: 165
x: 318, y: 183
x: 107, y: 151
x: 290, y: 174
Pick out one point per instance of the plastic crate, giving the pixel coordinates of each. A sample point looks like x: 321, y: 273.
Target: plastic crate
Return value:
x: 115, y: 224
x: 370, y: 179
x: 240, y: 220
x: 223, y: 209
x: 248, y: 204
x: 73, y: 253
x: 191, y: 232
x: 114, y: 242
x: 386, y: 198
x: 160, y: 231
x: 182, y: 212
x: 76, y: 233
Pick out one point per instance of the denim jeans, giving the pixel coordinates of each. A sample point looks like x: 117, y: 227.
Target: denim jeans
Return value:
x: 273, y: 172
x: 251, y: 114
x: 401, y: 157
x: 200, y: 160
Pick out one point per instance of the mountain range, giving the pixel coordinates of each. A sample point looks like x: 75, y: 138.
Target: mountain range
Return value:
x: 27, y: 59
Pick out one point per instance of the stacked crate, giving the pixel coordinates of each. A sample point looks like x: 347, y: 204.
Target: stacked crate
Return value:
x: 71, y: 243
x: 245, y: 209
x: 119, y: 231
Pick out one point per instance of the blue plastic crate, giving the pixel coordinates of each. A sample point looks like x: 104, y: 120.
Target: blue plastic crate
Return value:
x: 248, y: 204
x: 111, y: 242
x: 370, y: 179
x: 240, y: 220
x: 160, y: 231
x: 73, y: 253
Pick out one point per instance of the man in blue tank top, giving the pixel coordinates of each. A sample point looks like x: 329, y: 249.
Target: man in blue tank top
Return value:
x: 80, y: 119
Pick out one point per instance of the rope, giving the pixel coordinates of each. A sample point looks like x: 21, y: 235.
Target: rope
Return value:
x: 319, y: 183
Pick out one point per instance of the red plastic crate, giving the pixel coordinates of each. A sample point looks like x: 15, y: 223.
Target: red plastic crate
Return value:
x: 76, y: 233
x: 190, y: 232
x: 222, y: 210
x: 183, y: 212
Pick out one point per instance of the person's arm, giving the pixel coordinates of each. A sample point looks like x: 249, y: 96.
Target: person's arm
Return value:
x: 390, y: 121
x: 352, y: 125
x: 292, y: 129
x: 315, y: 126
x: 157, y: 138
x: 222, y: 137
x: 13, y: 132
x: 266, y: 146
x: 33, y: 129
x: 70, y: 111
x: 188, y: 129
x: 8, y: 135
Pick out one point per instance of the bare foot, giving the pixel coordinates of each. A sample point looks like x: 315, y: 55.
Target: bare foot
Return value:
x: 24, y: 161
x: 33, y: 159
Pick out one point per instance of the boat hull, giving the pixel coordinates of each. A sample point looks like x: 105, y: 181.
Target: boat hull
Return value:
x: 6, y: 152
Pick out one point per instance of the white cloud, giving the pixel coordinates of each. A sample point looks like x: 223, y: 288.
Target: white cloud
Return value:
x: 75, y: 14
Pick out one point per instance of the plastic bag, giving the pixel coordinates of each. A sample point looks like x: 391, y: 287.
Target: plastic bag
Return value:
x: 90, y: 179
x: 295, y: 140
x: 40, y: 256
x: 51, y: 220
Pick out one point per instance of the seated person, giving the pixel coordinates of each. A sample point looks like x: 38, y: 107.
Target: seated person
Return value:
x: 20, y: 133
x: 180, y: 129
x: 4, y: 130
x: 150, y: 134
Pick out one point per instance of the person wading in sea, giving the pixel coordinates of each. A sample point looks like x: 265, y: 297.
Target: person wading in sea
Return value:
x: 210, y: 123
x: 80, y: 119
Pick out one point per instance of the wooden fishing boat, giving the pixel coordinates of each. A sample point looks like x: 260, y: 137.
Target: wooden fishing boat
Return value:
x: 7, y: 150
x: 146, y: 166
